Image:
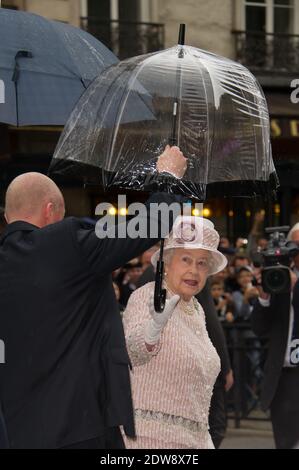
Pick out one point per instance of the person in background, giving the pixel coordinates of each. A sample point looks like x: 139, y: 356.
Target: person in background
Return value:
x: 241, y: 245
x: 276, y: 317
x: 244, y: 299
x: 133, y: 271
x: 117, y: 296
x: 240, y: 260
x: 293, y: 236
x: 224, y: 278
x: 223, y: 301
x: 225, y: 246
x: 262, y: 244
x: 66, y: 381
x: 225, y: 380
x: 256, y: 241
x: 245, y: 295
x: 145, y: 258
x: 148, y: 274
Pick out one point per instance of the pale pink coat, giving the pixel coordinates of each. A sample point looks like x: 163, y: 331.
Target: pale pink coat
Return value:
x: 172, y: 386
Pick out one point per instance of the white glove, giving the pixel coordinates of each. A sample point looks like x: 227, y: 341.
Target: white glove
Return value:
x: 158, y: 321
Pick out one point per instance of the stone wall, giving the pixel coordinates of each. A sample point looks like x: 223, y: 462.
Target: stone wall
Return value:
x: 209, y: 23
x: 63, y: 10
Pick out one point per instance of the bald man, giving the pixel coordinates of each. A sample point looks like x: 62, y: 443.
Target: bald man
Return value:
x: 34, y: 198
x: 65, y: 383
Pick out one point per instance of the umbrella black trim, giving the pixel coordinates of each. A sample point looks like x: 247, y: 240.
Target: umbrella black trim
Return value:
x: 83, y: 173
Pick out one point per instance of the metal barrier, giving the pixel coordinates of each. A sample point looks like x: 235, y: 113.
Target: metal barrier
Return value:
x: 248, y: 354
x: 267, y: 51
x: 126, y: 38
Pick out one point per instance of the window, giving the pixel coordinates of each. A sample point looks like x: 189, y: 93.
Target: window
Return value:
x: 8, y: 5
x: 269, y: 28
x: 121, y: 10
x: 123, y: 25
x: 283, y: 16
x: 255, y: 15
x: 270, y: 16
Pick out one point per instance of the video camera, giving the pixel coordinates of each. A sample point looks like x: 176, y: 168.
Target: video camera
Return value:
x: 276, y: 260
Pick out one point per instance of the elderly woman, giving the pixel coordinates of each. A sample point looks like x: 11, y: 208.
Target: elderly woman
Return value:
x: 174, y: 362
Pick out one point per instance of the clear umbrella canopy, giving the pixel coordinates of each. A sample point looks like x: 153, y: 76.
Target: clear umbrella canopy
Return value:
x: 211, y: 107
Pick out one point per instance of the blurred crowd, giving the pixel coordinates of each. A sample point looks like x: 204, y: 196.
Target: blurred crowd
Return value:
x: 234, y: 295
x: 232, y: 289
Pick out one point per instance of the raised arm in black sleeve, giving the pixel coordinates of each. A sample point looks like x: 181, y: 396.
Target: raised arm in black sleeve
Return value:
x: 105, y: 255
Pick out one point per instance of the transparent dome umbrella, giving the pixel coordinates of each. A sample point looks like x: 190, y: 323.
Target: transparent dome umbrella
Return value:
x: 45, y: 66
x: 211, y: 107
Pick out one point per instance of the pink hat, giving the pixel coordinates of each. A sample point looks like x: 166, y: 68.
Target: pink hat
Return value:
x: 192, y: 232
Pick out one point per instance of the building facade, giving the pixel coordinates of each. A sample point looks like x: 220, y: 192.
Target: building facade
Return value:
x: 261, y: 34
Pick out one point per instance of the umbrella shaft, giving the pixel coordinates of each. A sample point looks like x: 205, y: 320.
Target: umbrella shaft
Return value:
x: 173, y: 137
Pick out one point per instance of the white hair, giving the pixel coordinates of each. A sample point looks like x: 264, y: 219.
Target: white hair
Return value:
x: 167, y: 255
x: 295, y: 228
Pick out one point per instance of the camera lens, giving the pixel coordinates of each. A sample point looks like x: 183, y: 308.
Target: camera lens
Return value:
x: 276, y: 280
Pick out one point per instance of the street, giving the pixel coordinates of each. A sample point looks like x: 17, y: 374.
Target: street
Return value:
x: 251, y: 435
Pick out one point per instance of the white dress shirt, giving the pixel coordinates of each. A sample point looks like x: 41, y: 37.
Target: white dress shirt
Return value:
x: 291, y: 344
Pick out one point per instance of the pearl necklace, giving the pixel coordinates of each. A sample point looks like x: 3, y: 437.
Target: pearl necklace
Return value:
x: 189, y: 307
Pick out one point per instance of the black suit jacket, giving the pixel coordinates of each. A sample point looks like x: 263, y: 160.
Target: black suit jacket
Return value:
x: 66, y: 375
x: 272, y: 323
x: 215, y: 329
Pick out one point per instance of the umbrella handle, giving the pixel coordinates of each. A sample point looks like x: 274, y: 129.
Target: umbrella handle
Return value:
x: 19, y: 55
x: 181, y: 42
x: 16, y: 74
x: 160, y: 294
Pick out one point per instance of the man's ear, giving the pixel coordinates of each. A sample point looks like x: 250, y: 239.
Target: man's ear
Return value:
x: 49, y: 210
x: 6, y: 218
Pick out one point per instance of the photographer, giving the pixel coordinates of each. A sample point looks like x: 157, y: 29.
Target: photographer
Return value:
x: 223, y: 301
x: 276, y: 316
x: 243, y: 297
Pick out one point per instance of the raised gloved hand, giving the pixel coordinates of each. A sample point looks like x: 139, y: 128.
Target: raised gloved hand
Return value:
x: 158, y: 321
